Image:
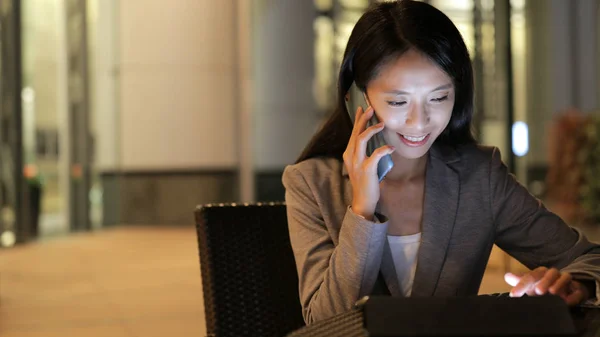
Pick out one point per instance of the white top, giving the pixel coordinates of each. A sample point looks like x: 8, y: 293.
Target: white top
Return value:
x: 404, y: 254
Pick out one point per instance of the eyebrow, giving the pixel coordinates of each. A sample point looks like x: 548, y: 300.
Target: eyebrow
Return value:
x: 400, y: 92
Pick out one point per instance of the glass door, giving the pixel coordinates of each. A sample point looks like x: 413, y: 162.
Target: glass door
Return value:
x: 45, y: 123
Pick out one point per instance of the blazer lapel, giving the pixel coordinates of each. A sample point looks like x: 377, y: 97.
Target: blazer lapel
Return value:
x: 442, y: 189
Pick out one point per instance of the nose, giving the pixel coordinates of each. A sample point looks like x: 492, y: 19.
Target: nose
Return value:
x: 417, y: 117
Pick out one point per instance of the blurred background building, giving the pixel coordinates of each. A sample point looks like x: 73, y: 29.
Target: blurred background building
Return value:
x: 133, y: 112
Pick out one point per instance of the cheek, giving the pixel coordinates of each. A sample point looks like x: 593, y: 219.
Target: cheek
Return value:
x: 390, y: 136
x: 441, y: 115
x: 390, y: 118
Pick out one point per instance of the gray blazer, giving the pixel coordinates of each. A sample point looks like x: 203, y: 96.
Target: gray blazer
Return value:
x: 471, y: 203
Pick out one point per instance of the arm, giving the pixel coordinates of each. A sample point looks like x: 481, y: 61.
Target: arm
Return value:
x: 331, y: 278
x: 536, y: 237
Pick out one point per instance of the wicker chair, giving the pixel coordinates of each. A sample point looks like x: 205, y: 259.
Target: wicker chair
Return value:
x: 248, y: 271
x: 348, y: 324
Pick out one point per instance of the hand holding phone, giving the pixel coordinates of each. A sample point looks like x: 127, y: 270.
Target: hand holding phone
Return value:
x: 367, y: 157
x: 354, y: 100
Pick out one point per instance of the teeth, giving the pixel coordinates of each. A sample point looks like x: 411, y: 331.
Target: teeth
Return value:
x: 414, y: 139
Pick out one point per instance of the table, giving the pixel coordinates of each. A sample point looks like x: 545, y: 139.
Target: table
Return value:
x: 351, y: 323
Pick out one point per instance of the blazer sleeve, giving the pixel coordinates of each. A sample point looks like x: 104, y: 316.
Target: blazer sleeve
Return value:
x: 536, y: 237
x: 331, y: 278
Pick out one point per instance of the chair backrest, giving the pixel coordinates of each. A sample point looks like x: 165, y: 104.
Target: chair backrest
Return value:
x: 249, y: 277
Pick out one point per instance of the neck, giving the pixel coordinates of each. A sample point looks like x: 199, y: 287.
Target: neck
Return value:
x: 405, y: 170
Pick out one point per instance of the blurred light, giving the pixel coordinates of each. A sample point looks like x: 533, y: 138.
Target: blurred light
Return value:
x: 95, y: 196
x: 8, y: 239
x: 520, y: 138
x: 324, y: 5
x: 354, y: 4
x: 537, y: 188
x: 517, y: 20
x: 487, y: 5
x: 30, y: 171
x: 8, y: 216
x: 76, y: 171
x: 517, y: 4
x: 459, y: 5
x: 27, y: 94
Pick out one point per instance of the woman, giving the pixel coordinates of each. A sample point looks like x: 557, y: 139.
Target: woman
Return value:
x: 428, y: 228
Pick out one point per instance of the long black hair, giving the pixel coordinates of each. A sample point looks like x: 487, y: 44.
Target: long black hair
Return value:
x: 383, y: 33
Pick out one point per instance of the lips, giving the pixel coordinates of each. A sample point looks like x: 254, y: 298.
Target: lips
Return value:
x: 414, y: 141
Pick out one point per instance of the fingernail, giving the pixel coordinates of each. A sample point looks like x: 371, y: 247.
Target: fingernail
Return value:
x: 539, y: 291
x: 392, y: 148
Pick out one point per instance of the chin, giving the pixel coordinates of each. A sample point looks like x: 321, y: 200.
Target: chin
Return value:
x: 412, y: 153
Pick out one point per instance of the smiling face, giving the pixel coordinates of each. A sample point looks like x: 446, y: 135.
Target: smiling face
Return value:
x: 414, y: 98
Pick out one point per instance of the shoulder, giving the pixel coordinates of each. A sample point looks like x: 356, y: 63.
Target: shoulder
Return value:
x: 476, y: 159
x: 480, y: 170
x: 478, y: 154
x: 314, y: 171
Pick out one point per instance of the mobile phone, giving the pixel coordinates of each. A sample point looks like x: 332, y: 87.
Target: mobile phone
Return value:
x: 354, y: 99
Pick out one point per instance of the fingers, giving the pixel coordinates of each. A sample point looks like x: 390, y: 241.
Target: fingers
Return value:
x: 357, y: 115
x: 542, y: 281
x: 512, y: 279
x: 528, y: 282
x: 549, y: 279
x: 361, y: 120
x: 575, y: 297
x: 371, y: 163
x: 360, y: 147
x: 350, y: 148
x: 561, y: 284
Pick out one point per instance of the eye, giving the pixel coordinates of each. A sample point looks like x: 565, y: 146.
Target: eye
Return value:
x: 396, y: 103
x: 440, y: 99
